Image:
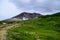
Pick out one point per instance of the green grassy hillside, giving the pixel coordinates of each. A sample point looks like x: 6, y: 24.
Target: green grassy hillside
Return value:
x: 42, y: 28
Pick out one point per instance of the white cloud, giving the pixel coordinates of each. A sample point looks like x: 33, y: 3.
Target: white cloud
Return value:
x: 43, y: 6
x: 7, y: 10
x: 40, y: 1
x: 25, y: 1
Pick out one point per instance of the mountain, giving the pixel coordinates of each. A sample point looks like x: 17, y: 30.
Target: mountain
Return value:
x: 43, y: 28
x: 25, y: 16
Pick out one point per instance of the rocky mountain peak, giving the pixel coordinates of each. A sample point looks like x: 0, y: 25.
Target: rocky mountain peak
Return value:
x: 25, y: 16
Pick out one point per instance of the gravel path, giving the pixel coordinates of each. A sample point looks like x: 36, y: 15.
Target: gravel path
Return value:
x: 3, y: 31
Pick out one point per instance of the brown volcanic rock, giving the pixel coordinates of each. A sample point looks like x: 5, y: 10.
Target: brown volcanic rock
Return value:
x: 25, y: 16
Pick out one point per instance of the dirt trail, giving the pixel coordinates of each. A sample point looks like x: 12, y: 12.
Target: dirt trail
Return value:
x: 3, y: 31
x: 3, y: 34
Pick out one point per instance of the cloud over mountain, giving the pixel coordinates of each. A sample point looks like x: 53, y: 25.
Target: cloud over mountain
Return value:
x: 9, y: 8
x: 38, y: 5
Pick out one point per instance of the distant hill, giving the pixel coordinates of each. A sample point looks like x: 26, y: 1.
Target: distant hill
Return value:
x: 25, y: 16
x: 52, y: 15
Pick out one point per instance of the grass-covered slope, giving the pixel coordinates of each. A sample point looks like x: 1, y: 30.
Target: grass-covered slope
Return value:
x: 43, y: 28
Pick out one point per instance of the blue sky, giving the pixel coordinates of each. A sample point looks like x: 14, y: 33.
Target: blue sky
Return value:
x: 10, y: 8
